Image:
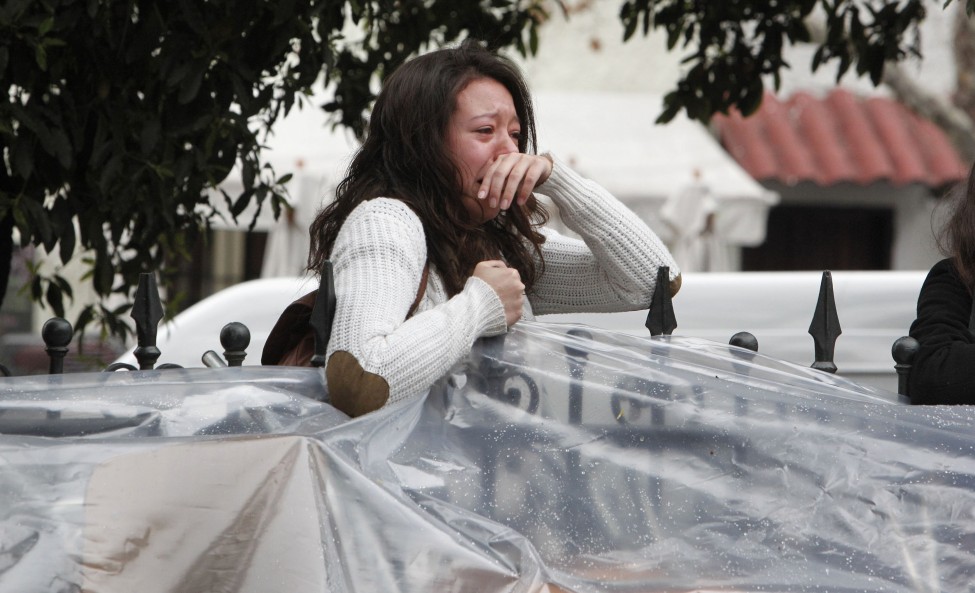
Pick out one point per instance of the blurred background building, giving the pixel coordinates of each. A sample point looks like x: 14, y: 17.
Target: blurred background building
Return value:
x: 824, y: 176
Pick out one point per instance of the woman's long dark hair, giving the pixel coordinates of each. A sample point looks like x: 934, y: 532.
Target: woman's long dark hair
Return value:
x: 957, y: 237
x: 405, y: 157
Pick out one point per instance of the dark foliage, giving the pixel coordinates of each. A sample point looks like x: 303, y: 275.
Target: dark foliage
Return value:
x: 734, y: 44
x: 120, y: 115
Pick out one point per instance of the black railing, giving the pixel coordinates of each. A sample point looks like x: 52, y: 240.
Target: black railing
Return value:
x: 903, y: 352
x: 147, y: 312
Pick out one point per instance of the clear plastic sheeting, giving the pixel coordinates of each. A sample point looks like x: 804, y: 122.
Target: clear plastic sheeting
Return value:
x: 557, y: 458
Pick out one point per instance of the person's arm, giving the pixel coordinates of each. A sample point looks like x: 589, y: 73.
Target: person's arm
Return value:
x: 944, y: 367
x: 614, y: 267
x: 374, y: 356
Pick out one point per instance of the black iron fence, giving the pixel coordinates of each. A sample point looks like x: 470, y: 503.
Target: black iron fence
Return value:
x: 147, y: 312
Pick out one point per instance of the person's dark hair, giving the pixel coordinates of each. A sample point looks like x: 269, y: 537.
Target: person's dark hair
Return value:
x: 405, y: 156
x: 957, y: 237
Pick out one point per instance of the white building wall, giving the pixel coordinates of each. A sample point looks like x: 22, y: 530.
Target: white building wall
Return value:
x: 587, y: 52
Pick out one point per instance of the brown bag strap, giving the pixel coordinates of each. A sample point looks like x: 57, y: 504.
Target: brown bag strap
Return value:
x: 421, y: 290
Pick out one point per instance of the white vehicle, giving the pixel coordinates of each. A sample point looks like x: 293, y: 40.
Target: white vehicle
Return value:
x: 874, y: 308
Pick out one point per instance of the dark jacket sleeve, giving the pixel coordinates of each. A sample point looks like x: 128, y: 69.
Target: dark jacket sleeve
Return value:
x: 944, y: 368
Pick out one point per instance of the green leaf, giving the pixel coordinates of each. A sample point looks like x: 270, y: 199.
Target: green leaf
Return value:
x: 21, y: 154
x: 64, y: 285
x: 242, y: 202
x: 191, y: 84
x: 284, y: 10
x: 193, y: 17
x: 149, y: 137
x: 61, y: 148
x: 45, y: 26
x: 672, y: 106
x: 629, y: 29
x: 110, y: 172
x: 817, y: 58
x: 55, y: 299
x: 752, y: 99
x: 36, y: 289
x: 104, y: 274
x: 85, y: 317
x: 40, y: 56
x: 66, y: 242
x: 38, y: 220
x: 877, y: 71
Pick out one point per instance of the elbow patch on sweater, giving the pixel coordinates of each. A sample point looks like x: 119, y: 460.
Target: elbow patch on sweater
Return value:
x: 351, y: 388
x: 675, y: 285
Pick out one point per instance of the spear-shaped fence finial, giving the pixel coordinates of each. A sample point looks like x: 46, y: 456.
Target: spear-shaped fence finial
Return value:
x: 825, y: 326
x: 661, y: 319
x: 322, y: 314
x: 147, y: 311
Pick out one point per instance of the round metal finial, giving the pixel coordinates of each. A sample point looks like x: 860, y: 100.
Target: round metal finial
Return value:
x: 744, y: 340
x: 904, y: 350
x: 56, y: 334
x: 235, y: 338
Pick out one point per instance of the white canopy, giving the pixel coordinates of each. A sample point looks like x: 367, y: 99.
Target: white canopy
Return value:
x: 613, y: 139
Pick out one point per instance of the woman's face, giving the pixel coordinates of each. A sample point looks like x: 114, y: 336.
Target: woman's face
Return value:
x: 483, y: 126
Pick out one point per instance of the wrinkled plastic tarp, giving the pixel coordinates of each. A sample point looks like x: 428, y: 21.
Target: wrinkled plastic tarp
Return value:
x: 557, y: 458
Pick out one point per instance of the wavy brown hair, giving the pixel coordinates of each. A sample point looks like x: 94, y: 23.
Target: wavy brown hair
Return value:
x: 957, y: 237
x: 405, y: 156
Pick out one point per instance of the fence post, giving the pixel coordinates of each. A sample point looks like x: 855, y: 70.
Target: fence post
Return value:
x: 660, y: 318
x: 235, y: 337
x: 56, y: 334
x: 744, y: 340
x: 322, y: 314
x: 825, y: 326
x: 903, y: 351
x: 147, y: 311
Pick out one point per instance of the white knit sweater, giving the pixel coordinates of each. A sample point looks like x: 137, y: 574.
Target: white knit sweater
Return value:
x: 378, y: 260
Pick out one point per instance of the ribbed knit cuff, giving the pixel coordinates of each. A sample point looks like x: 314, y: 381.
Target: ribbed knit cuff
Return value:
x: 584, y: 204
x: 564, y: 184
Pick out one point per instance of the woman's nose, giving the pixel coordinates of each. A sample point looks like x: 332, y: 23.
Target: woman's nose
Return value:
x: 508, y: 144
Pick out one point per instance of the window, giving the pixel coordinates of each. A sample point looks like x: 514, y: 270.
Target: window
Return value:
x: 823, y: 238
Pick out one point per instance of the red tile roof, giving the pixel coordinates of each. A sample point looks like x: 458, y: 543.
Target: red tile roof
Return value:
x: 840, y: 138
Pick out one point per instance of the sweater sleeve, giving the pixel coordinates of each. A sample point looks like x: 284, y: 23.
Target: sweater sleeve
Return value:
x: 944, y: 367
x: 614, y: 266
x: 378, y: 260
